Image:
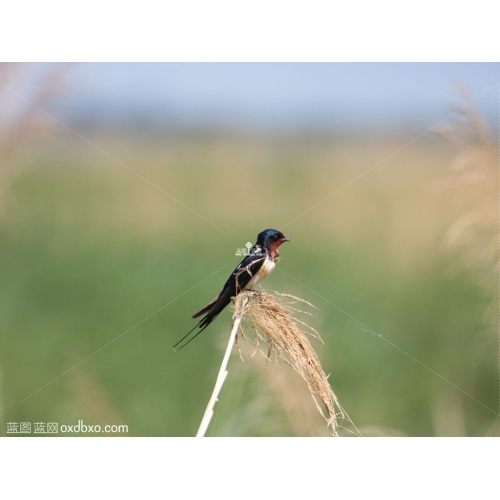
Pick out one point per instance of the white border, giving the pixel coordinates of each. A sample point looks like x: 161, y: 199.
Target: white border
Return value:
x: 241, y: 31
x: 249, y: 468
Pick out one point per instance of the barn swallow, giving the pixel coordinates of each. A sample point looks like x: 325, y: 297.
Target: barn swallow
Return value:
x: 250, y: 272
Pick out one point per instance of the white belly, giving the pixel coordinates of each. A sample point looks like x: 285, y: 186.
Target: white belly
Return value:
x: 262, y: 273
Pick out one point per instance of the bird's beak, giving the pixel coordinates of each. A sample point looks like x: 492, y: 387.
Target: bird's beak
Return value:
x: 284, y: 239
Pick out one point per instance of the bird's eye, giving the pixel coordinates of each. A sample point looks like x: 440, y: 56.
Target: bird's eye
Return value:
x: 277, y: 236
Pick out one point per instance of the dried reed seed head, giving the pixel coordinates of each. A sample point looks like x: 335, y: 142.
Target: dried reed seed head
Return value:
x: 272, y: 321
x: 475, y: 182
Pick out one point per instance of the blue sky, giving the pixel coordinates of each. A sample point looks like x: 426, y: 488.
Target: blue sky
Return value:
x: 277, y: 95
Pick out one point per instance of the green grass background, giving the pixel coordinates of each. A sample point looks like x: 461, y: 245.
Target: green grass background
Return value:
x: 101, y: 273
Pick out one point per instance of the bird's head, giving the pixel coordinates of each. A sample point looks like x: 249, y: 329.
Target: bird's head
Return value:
x: 271, y: 238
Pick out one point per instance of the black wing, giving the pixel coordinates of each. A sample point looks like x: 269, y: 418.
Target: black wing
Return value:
x: 235, y: 284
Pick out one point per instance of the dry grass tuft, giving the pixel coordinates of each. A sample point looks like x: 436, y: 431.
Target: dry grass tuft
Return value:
x: 475, y: 182
x: 22, y: 118
x: 273, y: 323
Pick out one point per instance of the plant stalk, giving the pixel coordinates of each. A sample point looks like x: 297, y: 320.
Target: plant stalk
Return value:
x: 221, y: 377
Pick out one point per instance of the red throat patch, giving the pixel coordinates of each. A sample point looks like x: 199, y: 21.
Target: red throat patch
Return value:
x: 274, y: 249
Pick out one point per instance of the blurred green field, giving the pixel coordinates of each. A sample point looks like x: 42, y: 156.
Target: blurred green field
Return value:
x: 101, y: 273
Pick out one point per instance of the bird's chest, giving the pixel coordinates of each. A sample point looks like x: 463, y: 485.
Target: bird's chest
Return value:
x: 262, y: 273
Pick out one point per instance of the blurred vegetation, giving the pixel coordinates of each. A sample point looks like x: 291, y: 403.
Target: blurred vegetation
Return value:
x: 101, y: 273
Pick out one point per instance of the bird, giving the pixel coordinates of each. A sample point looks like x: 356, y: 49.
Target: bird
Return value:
x: 255, y: 267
